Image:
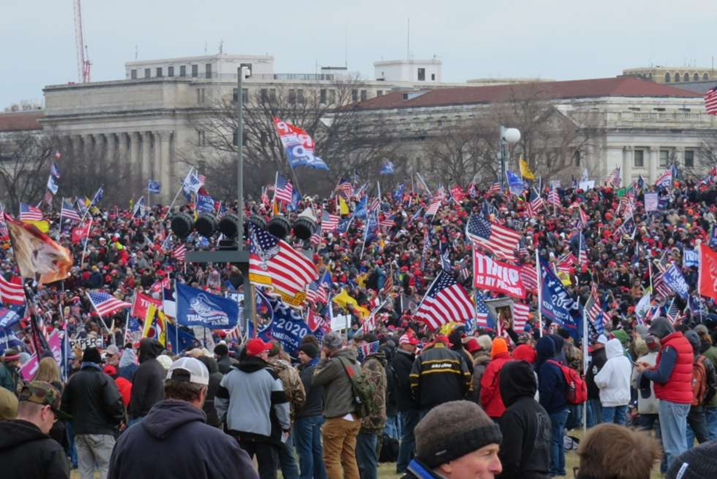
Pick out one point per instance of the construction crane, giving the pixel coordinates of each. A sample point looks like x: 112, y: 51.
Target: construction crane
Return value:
x: 83, y: 61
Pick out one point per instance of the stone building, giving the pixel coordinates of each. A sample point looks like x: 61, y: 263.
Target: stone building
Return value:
x: 641, y: 126
x: 666, y: 74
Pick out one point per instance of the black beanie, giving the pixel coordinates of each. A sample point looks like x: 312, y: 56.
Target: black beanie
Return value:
x: 452, y: 430
x: 221, y: 350
x: 91, y: 355
x: 310, y: 349
x: 696, y: 463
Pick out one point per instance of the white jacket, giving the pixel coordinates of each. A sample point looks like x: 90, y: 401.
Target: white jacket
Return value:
x: 614, y: 378
x: 649, y: 405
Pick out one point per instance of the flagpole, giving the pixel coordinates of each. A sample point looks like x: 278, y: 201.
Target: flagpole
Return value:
x: 540, y: 291
x: 585, y: 362
x: 149, y: 198
x: 84, y: 248
x: 177, y: 195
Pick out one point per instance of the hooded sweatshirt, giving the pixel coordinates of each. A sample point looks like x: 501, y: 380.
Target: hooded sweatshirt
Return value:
x: 181, y: 445
x: 550, y: 376
x: 148, y: 380
x: 614, y: 378
x: 27, y: 453
x: 127, y: 364
x: 525, y: 425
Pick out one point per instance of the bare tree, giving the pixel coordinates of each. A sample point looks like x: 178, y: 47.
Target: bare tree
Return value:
x: 24, y: 165
x: 707, y: 155
x: 323, y: 110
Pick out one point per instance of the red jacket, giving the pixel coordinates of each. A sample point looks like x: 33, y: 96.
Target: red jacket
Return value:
x: 125, y: 389
x: 490, y: 397
x: 678, y: 388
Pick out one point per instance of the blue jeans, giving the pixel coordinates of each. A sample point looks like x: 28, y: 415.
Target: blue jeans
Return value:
x: 72, y: 450
x: 673, y: 427
x: 409, y: 421
x: 393, y: 427
x: 134, y: 420
x: 616, y: 414
x: 557, y: 448
x: 711, y: 417
x: 594, y: 412
x: 287, y: 459
x: 366, y: 455
x: 307, y: 437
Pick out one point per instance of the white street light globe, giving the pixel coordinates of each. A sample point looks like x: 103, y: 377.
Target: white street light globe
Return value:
x: 511, y: 135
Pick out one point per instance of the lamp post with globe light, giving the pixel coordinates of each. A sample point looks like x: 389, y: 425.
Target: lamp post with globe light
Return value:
x: 507, y: 135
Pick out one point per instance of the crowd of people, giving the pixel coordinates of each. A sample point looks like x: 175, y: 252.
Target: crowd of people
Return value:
x: 464, y: 400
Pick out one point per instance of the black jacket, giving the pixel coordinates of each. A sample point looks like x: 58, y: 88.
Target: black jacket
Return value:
x: 314, y: 405
x: 174, y: 441
x: 225, y: 364
x: 27, y: 453
x: 93, y: 400
x: 525, y: 425
x: 400, y: 369
x: 439, y: 375
x: 215, y: 378
x: 599, y: 358
x: 148, y: 380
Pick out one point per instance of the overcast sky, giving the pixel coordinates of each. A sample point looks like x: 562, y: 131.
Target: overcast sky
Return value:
x: 559, y: 39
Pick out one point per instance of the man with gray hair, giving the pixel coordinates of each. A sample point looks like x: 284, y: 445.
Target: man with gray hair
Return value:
x: 342, y: 423
x: 174, y: 440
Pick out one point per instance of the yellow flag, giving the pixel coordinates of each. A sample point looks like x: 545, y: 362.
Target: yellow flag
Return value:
x: 149, y: 320
x: 343, y: 207
x: 162, y: 327
x: 525, y: 169
x: 343, y: 298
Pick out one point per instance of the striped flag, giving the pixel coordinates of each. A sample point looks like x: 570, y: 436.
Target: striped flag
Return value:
x: 315, y: 239
x: 386, y: 222
x: 345, y: 187
x: 433, y: 208
x: 534, y: 204
x: 495, y: 188
x: 69, y: 212
x: 368, y: 349
x: 711, y: 101
x: 265, y: 198
x: 106, y: 304
x: 282, y: 189
x: 179, y: 252
x: 529, y: 277
x: 329, y: 222
x: 520, y: 317
x: 317, y: 293
x: 594, y: 312
x: 554, y: 197
x: 30, y: 213
x: 495, y: 238
x: 274, y: 263
x: 484, y: 319
x: 660, y: 287
x: 374, y: 204
x: 665, y: 178
x: 566, y: 263
x: 445, y: 301
x: 11, y: 292
x: 4, y: 232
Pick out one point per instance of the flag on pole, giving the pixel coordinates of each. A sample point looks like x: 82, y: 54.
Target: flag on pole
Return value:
x: 154, y: 187
x: 11, y: 292
x: 594, y: 311
x: 106, y: 304
x: 433, y: 208
x: 554, y: 197
x: 525, y: 169
x: 707, y: 283
x: 665, y: 179
x: 30, y: 213
x: 329, y: 222
x: 52, y: 185
x: 179, y: 252
x: 484, y: 318
x: 345, y: 187
x: 298, y: 146
x: 38, y: 254
x: 283, y: 189
x: 445, y: 301
x: 388, y: 168
x: 54, y: 170
x: 520, y: 317
x: 711, y: 101
x: 495, y: 238
x: 69, y: 212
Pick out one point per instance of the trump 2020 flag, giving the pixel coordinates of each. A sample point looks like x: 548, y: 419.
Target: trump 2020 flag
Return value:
x: 674, y: 279
x: 288, y: 326
x: 196, y: 307
x: 556, y: 302
x: 298, y: 145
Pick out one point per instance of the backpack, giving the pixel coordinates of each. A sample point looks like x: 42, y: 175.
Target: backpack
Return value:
x: 576, y: 391
x: 363, y: 391
x: 699, y: 381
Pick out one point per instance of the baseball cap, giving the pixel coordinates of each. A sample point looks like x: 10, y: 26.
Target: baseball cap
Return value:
x: 256, y: 346
x: 189, y: 370
x: 44, y: 394
x: 8, y: 405
x: 406, y: 339
x: 112, y: 350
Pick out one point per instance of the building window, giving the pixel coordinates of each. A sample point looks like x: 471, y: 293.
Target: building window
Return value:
x: 147, y: 72
x: 421, y: 74
x: 159, y: 72
x: 133, y: 74
x: 686, y: 77
x: 667, y: 77
x: 208, y: 70
x: 677, y: 78
x: 170, y: 71
x: 639, y: 159
x: 300, y: 95
x: 664, y: 158
x: 576, y: 158
x: 364, y: 95
x: 292, y: 95
x: 322, y: 97
x: 183, y: 71
x: 379, y: 92
x: 262, y: 138
x: 689, y: 158
x: 201, y: 138
x: 200, y: 95
x: 696, y: 77
x: 332, y: 97
x: 195, y: 71
x: 354, y: 95
x: 264, y: 94
x: 433, y: 77
x: 272, y: 94
x: 705, y: 77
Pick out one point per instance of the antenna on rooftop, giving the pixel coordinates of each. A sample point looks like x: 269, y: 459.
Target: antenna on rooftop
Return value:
x: 346, y: 46
x: 408, y: 41
x: 136, y: 51
x: 221, y: 46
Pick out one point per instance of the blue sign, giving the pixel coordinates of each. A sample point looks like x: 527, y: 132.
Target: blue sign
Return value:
x: 205, y: 203
x: 713, y: 238
x: 556, y: 302
x: 154, y: 187
x: 515, y: 183
x: 288, y: 327
x: 690, y: 257
x: 8, y: 340
x: 8, y: 318
x: 674, y: 279
x: 196, y: 307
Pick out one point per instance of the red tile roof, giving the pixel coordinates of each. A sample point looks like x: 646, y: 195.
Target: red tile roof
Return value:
x: 21, y: 121
x: 623, y: 86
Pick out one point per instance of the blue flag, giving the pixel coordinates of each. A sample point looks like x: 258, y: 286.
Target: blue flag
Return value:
x: 690, y: 257
x: 153, y: 187
x: 674, y: 279
x: 196, y: 307
x: 361, y: 208
x: 8, y: 340
x: 288, y: 327
x: 713, y: 238
x: 557, y: 303
x: 205, y: 203
x: 295, y: 199
x: 515, y: 183
x: 388, y: 168
x: 398, y: 192
x: 8, y: 318
x: 186, y: 340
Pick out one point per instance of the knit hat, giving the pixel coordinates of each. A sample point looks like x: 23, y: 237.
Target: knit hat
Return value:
x: 310, y: 349
x: 452, y: 430
x: 472, y: 345
x: 11, y: 355
x: 91, y: 355
x: 499, y: 346
x: 332, y: 340
x: 526, y: 353
x: 696, y: 463
x: 485, y: 342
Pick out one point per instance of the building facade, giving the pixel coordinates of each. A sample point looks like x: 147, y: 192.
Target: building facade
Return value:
x: 665, y: 74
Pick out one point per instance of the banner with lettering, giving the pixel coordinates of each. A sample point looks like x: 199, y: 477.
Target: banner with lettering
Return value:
x: 674, y: 279
x: 651, y: 201
x: 556, y: 302
x: 141, y: 303
x: 492, y: 275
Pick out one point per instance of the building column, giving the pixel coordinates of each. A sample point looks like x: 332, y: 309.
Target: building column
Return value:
x: 680, y: 156
x: 654, y: 158
x: 124, y: 173
x: 146, y: 155
x: 627, y: 162
x: 163, y: 163
x: 135, y: 159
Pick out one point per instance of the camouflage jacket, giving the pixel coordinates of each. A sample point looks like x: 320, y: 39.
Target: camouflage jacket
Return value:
x: 374, y: 369
x: 293, y: 387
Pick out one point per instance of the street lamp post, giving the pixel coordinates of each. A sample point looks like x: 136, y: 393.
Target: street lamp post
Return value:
x: 507, y: 135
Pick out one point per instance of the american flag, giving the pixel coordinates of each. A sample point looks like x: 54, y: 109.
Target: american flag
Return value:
x: 273, y: 262
x: 374, y: 204
x: 369, y: 324
x: 106, y: 304
x: 533, y: 206
x: 446, y: 301
x: 520, y: 317
x: 388, y: 284
x: 594, y: 312
x: 613, y: 178
x: 386, y: 222
x: 329, y: 222
x: 464, y: 270
x: 662, y: 289
x: 529, y: 277
x: 582, y: 218
x: 345, y: 187
x: 317, y: 293
x: 4, y: 232
x: 30, y: 213
x: 566, y: 262
x: 495, y: 188
x: 179, y: 252
x: 368, y: 349
x: 472, y: 190
x: 233, y: 334
x: 665, y: 178
x: 69, y: 212
x: 626, y: 228
x: 673, y: 312
x: 265, y: 198
x: 554, y: 197
x: 446, y: 260
x: 11, y: 292
x: 283, y: 189
x: 711, y: 101
x: 497, y: 239
x: 315, y: 239
x: 484, y: 319
x: 433, y: 208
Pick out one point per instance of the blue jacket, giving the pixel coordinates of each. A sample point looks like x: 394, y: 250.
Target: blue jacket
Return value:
x: 551, y: 383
